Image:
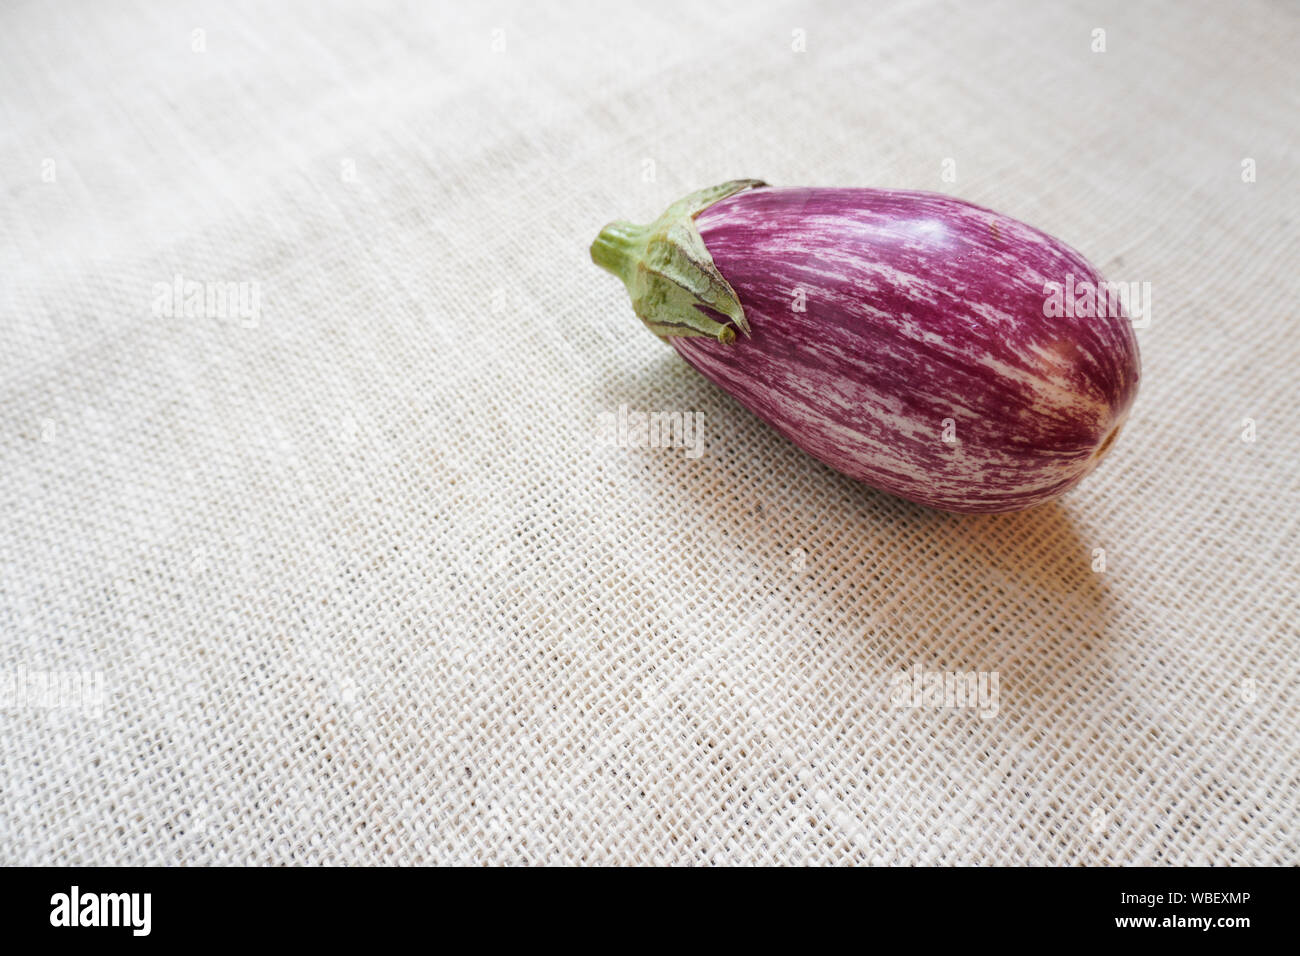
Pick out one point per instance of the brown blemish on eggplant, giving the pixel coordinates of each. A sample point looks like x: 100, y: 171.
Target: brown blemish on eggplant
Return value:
x: 1106, y: 443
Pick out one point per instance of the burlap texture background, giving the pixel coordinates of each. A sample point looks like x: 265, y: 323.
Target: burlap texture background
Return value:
x: 365, y: 584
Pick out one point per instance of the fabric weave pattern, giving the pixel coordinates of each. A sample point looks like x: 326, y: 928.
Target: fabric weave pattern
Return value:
x: 306, y: 450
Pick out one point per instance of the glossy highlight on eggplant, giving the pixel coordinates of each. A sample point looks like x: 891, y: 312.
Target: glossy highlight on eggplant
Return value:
x: 901, y: 337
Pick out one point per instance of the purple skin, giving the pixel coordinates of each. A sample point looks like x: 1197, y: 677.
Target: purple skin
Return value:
x: 918, y: 308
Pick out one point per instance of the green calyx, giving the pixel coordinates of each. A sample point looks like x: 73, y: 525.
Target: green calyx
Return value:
x: 676, y: 289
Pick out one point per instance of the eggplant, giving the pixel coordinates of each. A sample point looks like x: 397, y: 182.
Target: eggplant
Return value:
x: 910, y: 340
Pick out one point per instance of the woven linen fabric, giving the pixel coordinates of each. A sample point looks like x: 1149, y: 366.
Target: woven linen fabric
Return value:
x: 320, y: 544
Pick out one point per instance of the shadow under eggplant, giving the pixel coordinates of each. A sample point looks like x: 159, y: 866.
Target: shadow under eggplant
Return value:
x: 1012, y: 591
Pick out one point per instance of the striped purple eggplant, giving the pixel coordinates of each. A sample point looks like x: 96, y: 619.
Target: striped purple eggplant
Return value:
x: 906, y: 339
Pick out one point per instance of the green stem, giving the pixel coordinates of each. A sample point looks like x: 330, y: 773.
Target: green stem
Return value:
x: 619, y: 247
x: 676, y: 288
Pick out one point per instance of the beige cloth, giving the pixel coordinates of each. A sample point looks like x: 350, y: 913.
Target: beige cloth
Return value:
x: 365, y: 580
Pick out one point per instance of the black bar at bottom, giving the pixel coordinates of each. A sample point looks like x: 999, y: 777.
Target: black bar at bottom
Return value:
x: 339, y: 906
